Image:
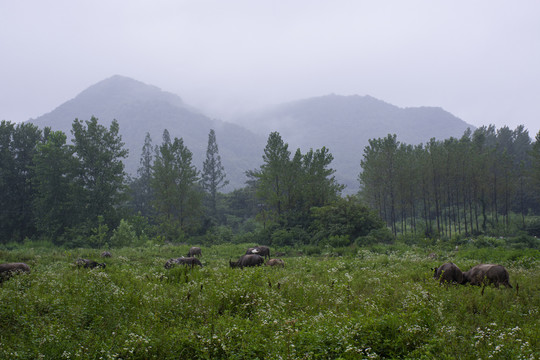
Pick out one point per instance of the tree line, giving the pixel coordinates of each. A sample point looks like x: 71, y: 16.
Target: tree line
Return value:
x: 487, y: 180
x: 78, y: 194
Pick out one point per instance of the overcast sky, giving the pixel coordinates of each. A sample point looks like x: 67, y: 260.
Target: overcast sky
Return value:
x: 479, y: 60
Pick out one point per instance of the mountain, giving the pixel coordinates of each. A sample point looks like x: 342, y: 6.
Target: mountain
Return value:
x: 344, y: 124
x: 140, y: 108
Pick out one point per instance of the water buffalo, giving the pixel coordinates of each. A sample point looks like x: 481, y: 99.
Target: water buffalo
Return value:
x: 247, y: 260
x: 448, y: 273
x: 261, y: 250
x: 189, y: 261
x: 106, y: 254
x: 275, y: 262
x: 8, y: 269
x: 194, y: 251
x: 487, y: 274
x: 89, y: 264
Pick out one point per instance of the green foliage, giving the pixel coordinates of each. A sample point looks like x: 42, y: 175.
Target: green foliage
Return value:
x: 289, y: 187
x: 54, y: 202
x: 99, y: 234
x: 213, y: 174
x: 17, y: 148
x: 100, y: 175
x: 344, y: 217
x: 221, y: 235
x: 177, y: 198
x: 123, y: 235
x: 471, y: 185
x: 289, y: 237
x: 532, y: 226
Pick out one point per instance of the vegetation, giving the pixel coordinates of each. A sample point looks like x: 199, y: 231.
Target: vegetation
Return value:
x: 377, y: 302
x: 468, y: 186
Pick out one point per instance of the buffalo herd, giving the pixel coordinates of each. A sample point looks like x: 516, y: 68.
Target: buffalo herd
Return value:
x: 483, y: 274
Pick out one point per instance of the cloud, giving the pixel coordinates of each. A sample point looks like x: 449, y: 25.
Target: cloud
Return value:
x: 477, y: 60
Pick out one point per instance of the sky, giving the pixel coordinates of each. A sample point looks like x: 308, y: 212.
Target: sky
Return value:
x: 479, y: 60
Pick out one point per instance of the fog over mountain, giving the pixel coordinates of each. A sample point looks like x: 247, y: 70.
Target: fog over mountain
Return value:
x: 141, y: 108
x: 343, y: 124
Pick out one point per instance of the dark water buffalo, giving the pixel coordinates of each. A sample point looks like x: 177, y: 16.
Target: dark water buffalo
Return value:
x: 91, y: 264
x: 247, y: 260
x: 263, y: 251
x: 448, y: 273
x: 8, y: 269
x: 189, y: 261
x: 106, y: 254
x: 485, y: 274
x: 194, y: 251
x: 275, y: 262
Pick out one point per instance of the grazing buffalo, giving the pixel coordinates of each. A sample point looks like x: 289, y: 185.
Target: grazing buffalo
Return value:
x: 448, y: 273
x: 189, y: 261
x: 85, y: 263
x: 8, y: 269
x: 263, y: 251
x: 487, y: 274
x: 247, y: 260
x: 194, y: 251
x: 275, y: 262
x: 106, y: 254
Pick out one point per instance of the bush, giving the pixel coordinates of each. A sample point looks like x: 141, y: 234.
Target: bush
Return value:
x: 532, y: 227
x: 382, y: 235
x: 336, y: 241
x: 123, y: 235
x: 289, y: 237
x: 524, y: 241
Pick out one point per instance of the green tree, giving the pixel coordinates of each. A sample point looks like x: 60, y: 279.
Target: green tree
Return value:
x: 17, y: 148
x: 141, y: 188
x: 174, y: 183
x: 344, y: 218
x: 213, y: 174
x: 54, y: 178
x: 101, y: 176
x: 288, y: 188
x: 270, y: 178
x: 534, y: 173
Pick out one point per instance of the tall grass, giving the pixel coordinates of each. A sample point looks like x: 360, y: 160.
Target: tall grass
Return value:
x: 375, y: 303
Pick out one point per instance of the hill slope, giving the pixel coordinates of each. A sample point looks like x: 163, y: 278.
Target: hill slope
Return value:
x: 141, y: 108
x: 344, y: 124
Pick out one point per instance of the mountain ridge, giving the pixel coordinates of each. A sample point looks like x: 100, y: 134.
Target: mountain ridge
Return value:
x: 343, y: 124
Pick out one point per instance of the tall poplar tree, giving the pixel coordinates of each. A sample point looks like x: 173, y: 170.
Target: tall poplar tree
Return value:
x: 213, y: 174
x: 141, y: 188
x: 270, y: 178
x: 174, y: 182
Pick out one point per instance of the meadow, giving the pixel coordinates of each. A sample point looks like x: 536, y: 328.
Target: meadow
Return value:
x: 378, y: 302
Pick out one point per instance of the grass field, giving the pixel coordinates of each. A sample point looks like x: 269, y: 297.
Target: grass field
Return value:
x: 371, y: 303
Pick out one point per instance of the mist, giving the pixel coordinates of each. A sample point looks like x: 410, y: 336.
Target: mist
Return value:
x: 476, y: 60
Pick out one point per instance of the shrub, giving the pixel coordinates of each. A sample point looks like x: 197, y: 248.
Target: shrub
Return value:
x: 123, y: 235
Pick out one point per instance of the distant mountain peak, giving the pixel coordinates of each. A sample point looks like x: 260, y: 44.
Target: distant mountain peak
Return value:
x: 118, y: 88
